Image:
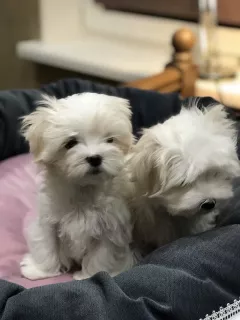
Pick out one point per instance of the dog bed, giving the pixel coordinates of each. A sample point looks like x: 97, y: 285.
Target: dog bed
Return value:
x: 183, y: 280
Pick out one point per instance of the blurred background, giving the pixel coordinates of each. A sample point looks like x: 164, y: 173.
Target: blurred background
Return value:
x: 19, y: 20
x: 228, y: 10
x: 111, y: 41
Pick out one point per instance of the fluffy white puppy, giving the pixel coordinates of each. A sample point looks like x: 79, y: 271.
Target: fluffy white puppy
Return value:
x: 80, y: 143
x: 182, y: 172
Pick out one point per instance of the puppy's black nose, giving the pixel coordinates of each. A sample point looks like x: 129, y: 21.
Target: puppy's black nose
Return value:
x: 208, y: 204
x: 94, y: 161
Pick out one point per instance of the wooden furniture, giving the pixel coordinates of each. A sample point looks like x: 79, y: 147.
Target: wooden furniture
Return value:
x: 180, y: 74
x: 225, y: 91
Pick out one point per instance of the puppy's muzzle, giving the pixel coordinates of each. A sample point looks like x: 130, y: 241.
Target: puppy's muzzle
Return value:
x: 94, y: 161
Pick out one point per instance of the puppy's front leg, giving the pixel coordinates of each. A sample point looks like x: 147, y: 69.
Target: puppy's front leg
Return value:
x: 43, y: 260
x: 105, y: 257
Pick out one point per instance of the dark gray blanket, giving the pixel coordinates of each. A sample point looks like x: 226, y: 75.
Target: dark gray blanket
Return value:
x: 183, y: 280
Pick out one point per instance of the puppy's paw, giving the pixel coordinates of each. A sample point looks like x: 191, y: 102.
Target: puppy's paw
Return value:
x: 31, y: 271
x: 79, y: 275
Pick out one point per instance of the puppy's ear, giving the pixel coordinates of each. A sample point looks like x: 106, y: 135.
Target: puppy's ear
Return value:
x: 34, y: 126
x: 220, y: 121
x: 142, y: 164
x: 222, y: 124
x: 123, y: 113
x: 123, y: 107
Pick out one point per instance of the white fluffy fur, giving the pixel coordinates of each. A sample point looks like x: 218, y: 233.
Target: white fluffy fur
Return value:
x: 83, y: 219
x: 175, y: 167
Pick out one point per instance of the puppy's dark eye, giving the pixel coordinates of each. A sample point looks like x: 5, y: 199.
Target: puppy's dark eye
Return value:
x: 110, y: 140
x: 71, y: 143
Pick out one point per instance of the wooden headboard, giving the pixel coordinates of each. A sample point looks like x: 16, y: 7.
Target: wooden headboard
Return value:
x: 180, y: 73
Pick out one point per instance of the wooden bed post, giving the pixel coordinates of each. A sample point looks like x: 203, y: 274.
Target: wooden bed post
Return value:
x: 183, y: 42
x: 180, y: 74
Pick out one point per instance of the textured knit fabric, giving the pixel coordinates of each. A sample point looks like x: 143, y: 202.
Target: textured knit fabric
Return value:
x: 184, y: 280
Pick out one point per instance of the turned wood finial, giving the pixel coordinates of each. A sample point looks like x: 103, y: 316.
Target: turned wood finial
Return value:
x: 183, y: 40
x: 180, y: 74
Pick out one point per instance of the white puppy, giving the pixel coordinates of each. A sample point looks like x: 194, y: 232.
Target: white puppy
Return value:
x: 80, y: 143
x: 182, y: 172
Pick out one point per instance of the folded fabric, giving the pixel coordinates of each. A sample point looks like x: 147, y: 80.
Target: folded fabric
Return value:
x: 184, y: 280
x: 18, y: 190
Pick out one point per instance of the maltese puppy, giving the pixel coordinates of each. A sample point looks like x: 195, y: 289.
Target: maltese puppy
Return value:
x: 182, y: 172
x: 80, y: 144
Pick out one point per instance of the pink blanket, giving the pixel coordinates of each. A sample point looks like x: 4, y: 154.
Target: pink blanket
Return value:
x: 18, y: 178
